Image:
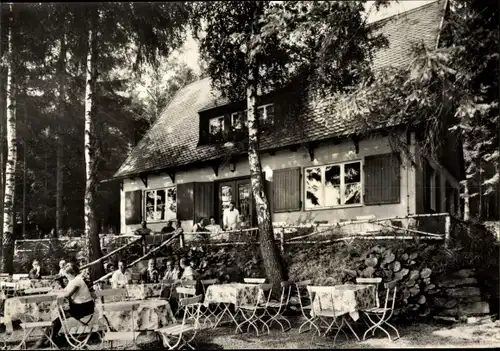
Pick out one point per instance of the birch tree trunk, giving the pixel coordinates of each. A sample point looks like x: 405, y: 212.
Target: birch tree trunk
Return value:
x: 60, y: 144
x: 10, y: 171
x: 91, y: 230
x: 271, y: 255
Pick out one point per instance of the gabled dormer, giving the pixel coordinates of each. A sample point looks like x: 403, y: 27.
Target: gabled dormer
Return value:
x: 229, y: 122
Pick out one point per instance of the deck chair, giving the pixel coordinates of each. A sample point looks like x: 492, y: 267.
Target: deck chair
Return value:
x: 179, y: 335
x: 30, y: 327
x: 210, y: 311
x: 110, y: 336
x: 112, y: 295
x: 78, y: 333
x: 254, y: 313
x: 275, y: 309
x: 381, y: 315
x: 254, y: 280
x: 183, y: 293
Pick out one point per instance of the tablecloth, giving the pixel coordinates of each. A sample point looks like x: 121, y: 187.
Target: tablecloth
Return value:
x: 234, y: 293
x: 349, y: 299
x: 143, y: 291
x: 148, y: 315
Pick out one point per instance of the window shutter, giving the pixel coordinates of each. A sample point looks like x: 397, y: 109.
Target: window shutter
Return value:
x: 286, y: 190
x: 204, y: 200
x: 185, y: 201
x: 427, y: 183
x: 382, y: 179
x: 438, y: 192
x: 133, y: 207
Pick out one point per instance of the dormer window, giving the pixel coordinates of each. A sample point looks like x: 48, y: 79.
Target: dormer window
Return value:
x: 216, y: 126
x: 266, y: 113
x: 238, y: 121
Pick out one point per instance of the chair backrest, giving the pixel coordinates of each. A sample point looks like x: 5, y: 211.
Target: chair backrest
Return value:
x: 109, y: 295
x: 20, y: 276
x: 390, y: 294
x: 121, y: 306
x: 265, y: 290
x: 191, y: 306
x: 49, y: 277
x: 207, y: 282
x: 41, y: 290
x: 184, y: 292
x: 38, y: 298
x: 286, y: 289
x: 188, y: 283
x: 371, y: 281
x: 254, y: 280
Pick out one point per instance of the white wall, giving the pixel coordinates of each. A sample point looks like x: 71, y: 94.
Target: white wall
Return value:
x: 324, y: 154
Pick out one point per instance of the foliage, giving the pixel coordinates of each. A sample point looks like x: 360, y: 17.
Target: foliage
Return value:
x: 448, y: 90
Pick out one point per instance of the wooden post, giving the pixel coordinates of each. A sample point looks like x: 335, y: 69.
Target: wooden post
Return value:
x: 144, y: 246
x: 181, y: 240
x: 282, y: 240
x: 447, y: 228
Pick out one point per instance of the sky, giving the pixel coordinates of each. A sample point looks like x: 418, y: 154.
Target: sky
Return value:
x: 190, y: 52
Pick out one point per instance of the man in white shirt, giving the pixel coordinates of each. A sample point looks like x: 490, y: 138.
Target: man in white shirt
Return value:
x: 120, y: 277
x: 62, y: 263
x: 231, y: 217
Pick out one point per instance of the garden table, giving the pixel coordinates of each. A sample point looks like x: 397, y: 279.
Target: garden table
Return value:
x: 346, y: 299
x: 236, y: 294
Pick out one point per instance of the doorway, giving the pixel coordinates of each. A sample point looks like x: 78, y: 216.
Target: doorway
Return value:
x: 240, y: 192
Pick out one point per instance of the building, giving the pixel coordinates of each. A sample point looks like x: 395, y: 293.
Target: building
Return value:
x: 190, y: 165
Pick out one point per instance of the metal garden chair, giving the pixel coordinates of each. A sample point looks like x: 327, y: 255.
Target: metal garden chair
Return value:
x: 178, y: 335
x: 251, y: 313
x: 381, y: 315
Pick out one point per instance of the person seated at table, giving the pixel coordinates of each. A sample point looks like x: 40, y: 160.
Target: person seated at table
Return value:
x: 169, y: 228
x: 188, y: 273
x: 62, y: 264
x: 172, y: 271
x: 150, y: 275
x: 213, y: 227
x: 81, y: 303
x: 121, y: 277
x: 36, y: 271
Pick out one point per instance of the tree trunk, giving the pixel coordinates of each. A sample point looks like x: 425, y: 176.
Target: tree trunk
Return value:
x: 60, y: 144
x: 271, y: 255
x: 10, y: 172
x: 91, y: 230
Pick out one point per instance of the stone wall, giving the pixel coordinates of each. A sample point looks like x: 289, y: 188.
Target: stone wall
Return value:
x: 458, y: 296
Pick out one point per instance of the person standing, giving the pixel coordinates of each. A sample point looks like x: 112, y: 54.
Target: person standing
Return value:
x: 231, y: 217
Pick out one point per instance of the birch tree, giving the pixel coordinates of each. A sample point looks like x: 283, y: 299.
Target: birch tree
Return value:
x: 10, y: 172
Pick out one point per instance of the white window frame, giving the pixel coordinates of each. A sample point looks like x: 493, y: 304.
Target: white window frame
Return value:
x: 264, y: 115
x: 218, y: 118
x: 245, y: 120
x: 155, y: 204
x: 342, y: 185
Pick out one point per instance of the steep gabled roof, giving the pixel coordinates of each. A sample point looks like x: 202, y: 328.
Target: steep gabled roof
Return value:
x: 173, y: 140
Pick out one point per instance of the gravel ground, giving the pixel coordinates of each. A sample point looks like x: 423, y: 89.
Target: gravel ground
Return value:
x: 416, y: 335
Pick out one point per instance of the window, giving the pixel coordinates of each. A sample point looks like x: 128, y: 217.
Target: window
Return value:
x: 216, y: 125
x: 161, y: 204
x: 265, y: 113
x: 239, y: 120
x: 333, y: 185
